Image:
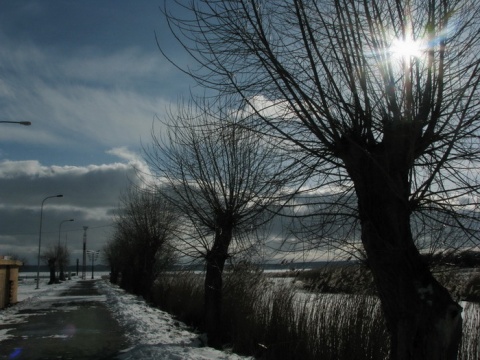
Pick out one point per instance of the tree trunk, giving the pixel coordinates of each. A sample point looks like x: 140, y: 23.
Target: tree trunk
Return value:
x: 423, y: 320
x: 215, y: 261
x: 113, y: 274
x: 62, y: 274
x: 148, y: 275
x: 51, y: 266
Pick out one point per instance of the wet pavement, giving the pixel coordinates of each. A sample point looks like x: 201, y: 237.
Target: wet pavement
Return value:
x: 74, y: 325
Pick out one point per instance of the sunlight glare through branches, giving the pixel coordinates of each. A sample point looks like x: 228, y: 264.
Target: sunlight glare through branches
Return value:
x: 406, y: 49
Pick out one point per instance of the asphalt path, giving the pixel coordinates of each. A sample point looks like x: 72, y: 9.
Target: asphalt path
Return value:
x: 74, y: 325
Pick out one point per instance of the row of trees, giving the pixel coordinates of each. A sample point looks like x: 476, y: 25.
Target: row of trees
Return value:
x: 57, y: 258
x: 216, y: 185
x: 375, y: 102
x: 361, y: 117
x: 141, y: 245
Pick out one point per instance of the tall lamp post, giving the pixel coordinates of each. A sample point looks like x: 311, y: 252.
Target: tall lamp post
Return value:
x: 84, y: 264
x: 62, y: 277
x: 40, y: 238
x: 93, y: 256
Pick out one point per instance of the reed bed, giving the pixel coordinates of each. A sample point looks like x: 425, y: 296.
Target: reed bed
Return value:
x: 271, y: 319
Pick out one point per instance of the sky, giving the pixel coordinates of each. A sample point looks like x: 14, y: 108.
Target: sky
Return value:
x: 89, y: 77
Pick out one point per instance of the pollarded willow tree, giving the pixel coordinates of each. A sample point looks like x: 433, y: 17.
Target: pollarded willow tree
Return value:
x: 382, y: 95
x: 56, y: 257
x: 222, y: 179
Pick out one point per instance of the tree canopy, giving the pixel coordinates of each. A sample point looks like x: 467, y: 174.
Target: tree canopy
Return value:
x: 335, y: 78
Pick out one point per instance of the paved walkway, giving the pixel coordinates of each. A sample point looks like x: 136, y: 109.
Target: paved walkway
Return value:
x: 75, y: 325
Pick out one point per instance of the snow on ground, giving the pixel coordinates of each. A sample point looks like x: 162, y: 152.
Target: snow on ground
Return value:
x: 28, y: 297
x: 153, y: 333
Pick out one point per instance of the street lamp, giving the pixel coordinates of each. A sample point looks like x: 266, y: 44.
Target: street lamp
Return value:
x: 40, y: 238
x: 62, y: 277
x: 93, y: 256
x: 26, y: 123
x: 84, y: 264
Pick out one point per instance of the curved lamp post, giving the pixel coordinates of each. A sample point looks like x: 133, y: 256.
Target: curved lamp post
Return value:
x: 58, y: 247
x: 40, y: 238
x: 26, y: 123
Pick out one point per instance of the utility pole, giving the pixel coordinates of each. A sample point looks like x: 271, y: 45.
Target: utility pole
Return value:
x: 84, y: 264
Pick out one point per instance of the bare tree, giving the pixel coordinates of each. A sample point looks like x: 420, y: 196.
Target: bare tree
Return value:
x: 140, y: 248
x: 222, y: 178
x: 62, y: 262
x: 55, y: 256
x: 112, y: 255
x: 383, y: 96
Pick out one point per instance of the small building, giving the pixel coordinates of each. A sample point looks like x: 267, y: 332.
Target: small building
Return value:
x: 8, y: 281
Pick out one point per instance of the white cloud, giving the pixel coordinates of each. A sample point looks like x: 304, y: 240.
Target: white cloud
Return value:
x: 142, y: 171
x: 13, y: 169
x: 124, y: 153
x: 269, y: 108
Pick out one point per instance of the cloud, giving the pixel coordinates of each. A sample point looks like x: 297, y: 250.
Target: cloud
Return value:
x: 91, y: 96
x: 122, y: 67
x: 70, y: 98
x: 143, y: 173
x: 90, y: 196
x: 104, y: 116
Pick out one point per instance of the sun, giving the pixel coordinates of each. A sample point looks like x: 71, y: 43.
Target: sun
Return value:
x: 407, y: 49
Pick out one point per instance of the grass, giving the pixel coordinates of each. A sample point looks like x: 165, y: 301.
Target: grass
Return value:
x: 180, y: 294
x: 325, y: 326
x: 274, y: 321
x: 270, y: 319
x: 349, y: 279
x: 470, y: 347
